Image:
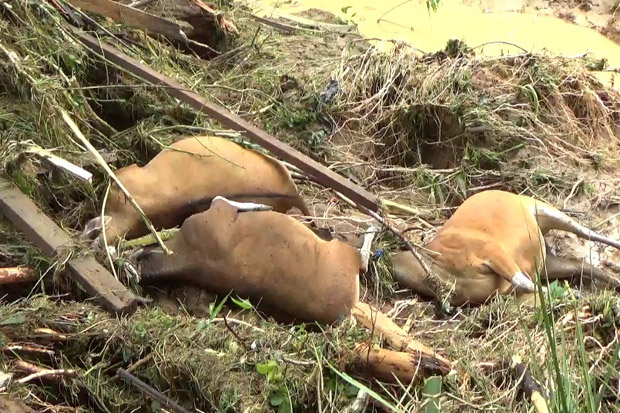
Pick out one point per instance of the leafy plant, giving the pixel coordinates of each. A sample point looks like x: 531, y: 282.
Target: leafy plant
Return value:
x: 280, y: 396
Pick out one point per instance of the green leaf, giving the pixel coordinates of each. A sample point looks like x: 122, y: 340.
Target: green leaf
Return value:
x: 19, y: 318
x: 276, y: 399
x: 202, y: 325
x: 214, y: 309
x: 245, y: 304
x: 461, y: 182
x: 432, y: 390
x: 345, y: 9
x: 265, y: 369
x: 286, y: 407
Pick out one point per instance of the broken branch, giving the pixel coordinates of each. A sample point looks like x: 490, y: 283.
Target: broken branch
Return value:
x: 48, y: 374
x: 16, y: 275
x: 530, y: 386
x: 15, y: 348
x: 151, y: 392
x: 50, y: 334
x: 396, y: 337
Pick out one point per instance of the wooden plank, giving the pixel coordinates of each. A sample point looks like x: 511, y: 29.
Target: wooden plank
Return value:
x: 133, y: 17
x: 322, y: 174
x: 51, y: 239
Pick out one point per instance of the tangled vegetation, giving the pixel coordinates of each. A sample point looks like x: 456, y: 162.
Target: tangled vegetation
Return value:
x: 424, y: 130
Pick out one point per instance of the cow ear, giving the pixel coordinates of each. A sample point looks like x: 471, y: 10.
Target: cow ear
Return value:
x: 94, y: 226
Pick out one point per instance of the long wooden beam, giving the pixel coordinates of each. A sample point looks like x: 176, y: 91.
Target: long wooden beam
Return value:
x: 42, y: 231
x: 133, y: 17
x: 322, y: 174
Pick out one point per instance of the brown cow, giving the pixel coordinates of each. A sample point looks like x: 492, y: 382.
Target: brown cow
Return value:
x: 266, y: 256
x: 183, y: 180
x: 493, y: 244
x: 292, y: 274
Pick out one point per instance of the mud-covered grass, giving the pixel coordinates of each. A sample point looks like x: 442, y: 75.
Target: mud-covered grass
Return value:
x: 425, y: 131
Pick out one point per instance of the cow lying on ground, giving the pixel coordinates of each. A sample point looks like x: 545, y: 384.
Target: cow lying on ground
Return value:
x: 494, y: 243
x: 288, y: 272
x: 266, y: 256
x: 183, y: 180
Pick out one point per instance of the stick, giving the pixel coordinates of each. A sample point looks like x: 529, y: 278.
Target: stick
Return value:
x: 109, y: 157
x: 245, y: 346
x: 61, y: 163
x: 154, y: 394
x: 394, y: 366
x: 287, y: 28
x: 52, y: 374
x: 140, y: 3
x: 311, y: 25
x: 145, y: 240
x: 11, y: 348
x: 29, y: 368
x: 105, y: 166
x: 395, y: 206
x: 51, y: 334
x: 140, y: 362
x: 530, y: 386
x: 16, y: 275
x: 396, y: 337
x: 38, y: 372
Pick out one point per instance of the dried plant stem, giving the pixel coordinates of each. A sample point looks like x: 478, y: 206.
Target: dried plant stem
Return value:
x: 61, y: 163
x: 150, y: 391
x: 109, y: 171
x: 165, y: 235
x: 55, y: 374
